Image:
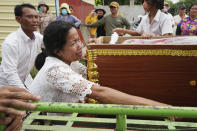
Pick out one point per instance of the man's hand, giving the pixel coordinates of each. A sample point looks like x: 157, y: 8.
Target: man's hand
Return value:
x: 92, y: 12
x: 5, y: 120
x: 120, y: 31
x: 15, y: 97
x: 16, y: 124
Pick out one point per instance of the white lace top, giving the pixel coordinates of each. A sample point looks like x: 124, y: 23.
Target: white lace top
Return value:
x: 59, y: 82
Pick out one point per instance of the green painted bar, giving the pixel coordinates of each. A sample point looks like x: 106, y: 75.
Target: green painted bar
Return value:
x: 33, y: 116
x: 67, y: 118
x: 165, y: 111
x: 70, y: 123
x: 121, y: 122
x: 164, y: 123
x: 170, y: 124
x: 61, y: 128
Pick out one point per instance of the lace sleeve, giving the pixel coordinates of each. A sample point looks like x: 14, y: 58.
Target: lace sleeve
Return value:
x: 65, y: 79
x: 79, y: 68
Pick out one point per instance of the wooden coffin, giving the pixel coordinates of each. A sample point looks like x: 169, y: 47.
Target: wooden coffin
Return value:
x: 166, y: 73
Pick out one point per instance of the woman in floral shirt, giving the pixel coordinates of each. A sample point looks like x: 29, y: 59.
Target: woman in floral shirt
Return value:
x: 188, y: 26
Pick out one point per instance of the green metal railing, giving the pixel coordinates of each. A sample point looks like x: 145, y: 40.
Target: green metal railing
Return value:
x: 121, y: 122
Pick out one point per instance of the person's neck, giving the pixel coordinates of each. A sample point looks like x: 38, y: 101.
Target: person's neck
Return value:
x: 153, y: 12
x: 63, y: 60
x: 99, y: 17
x: 29, y: 34
x: 64, y: 15
x: 182, y: 15
x: 67, y: 62
x: 114, y: 15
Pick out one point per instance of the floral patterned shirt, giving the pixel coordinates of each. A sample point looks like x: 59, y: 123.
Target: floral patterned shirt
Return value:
x: 187, y: 27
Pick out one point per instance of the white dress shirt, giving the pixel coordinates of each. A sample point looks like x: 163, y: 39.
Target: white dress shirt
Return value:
x: 58, y: 82
x: 18, y: 56
x: 160, y: 25
x: 171, y: 19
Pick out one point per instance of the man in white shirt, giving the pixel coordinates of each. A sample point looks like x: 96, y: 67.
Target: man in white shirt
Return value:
x: 179, y: 17
x: 165, y: 10
x: 20, y: 48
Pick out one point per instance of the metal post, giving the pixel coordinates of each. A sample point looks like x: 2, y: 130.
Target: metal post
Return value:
x: 121, y: 123
x: 57, y: 7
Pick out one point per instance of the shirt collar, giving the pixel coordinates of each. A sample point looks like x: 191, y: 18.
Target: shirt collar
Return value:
x: 157, y: 16
x: 24, y: 36
x: 51, y: 58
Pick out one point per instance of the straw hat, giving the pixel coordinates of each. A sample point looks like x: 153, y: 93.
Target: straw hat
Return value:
x: 114, y: 4
x: 66, y: 6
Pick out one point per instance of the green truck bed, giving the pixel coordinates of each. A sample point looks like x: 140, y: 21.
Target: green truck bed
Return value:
x: 107, y: 117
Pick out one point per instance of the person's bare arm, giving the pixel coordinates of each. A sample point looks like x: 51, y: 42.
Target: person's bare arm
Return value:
x: 168, y: 34
x: 112, y: 96
x: 122, y: 31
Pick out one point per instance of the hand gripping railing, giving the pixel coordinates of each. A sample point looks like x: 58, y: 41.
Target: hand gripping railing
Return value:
x: 122, y: 111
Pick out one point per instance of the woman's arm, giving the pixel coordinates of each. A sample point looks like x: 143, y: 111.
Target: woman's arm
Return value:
x: 76, y: 21
x: 109, y: 95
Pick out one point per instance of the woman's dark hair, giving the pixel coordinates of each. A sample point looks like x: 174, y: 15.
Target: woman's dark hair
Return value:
x: 55, y: 37
x: 155, y: 3
x: 193, y: 4
x: 18, y: 10
x: 40, y: 59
